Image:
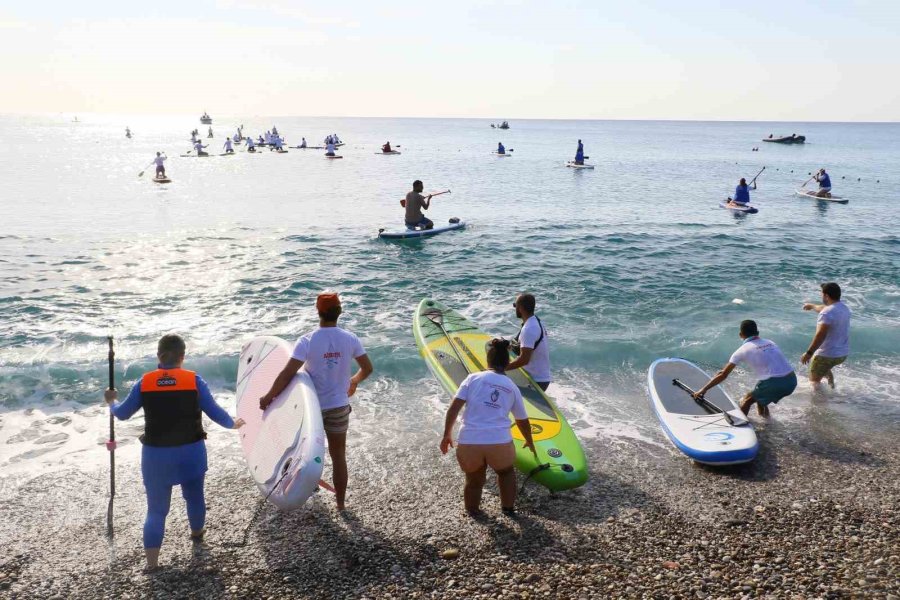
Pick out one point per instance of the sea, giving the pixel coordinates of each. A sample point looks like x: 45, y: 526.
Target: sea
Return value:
x: 631, y: 261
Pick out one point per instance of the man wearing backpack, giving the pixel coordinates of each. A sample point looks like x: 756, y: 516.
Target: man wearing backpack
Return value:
x: 532, y: 347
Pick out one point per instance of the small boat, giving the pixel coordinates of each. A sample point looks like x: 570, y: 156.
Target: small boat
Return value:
x: 786, y: 139
x: 206, y: 119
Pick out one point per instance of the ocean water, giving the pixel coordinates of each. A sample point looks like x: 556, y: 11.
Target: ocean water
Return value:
x: 629, y: 262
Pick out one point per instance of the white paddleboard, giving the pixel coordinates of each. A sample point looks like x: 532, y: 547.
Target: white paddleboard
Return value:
x: 419, y: 233
x: 704, y: 436
x: 162, y: 180
x: 335, y: 156
x: 501, y: 155
x: 285, y: 444
x: 747, y: 209
x: 812, y: 194
x: 572, y: 165
x: 391, y: 152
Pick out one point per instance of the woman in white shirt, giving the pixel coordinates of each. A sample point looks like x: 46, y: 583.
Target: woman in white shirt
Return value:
x: 485, y: 439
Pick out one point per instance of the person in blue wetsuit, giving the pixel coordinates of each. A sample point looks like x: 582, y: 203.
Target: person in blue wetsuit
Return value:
x: 579, y: 154
x: 500, y: 148
x: 741, y: 194
x: 824, y: 184
x: 174, y: 451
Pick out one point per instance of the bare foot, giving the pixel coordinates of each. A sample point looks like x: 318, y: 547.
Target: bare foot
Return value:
x: 830, y: 377
x: 762, y: 410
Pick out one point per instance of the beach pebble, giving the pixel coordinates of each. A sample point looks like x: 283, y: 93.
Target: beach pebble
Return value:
x: 670, y: 564
x: 450, y: 553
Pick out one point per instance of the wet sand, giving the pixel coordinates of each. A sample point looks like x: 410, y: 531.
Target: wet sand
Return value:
x: 811, y: 517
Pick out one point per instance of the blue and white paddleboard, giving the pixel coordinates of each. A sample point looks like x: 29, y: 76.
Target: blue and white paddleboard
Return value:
x: 703, y: 435
x: 419, y: 233
x: 747, y: 210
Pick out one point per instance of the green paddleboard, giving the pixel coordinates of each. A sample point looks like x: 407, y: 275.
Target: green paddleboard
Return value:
x: 453, y: 347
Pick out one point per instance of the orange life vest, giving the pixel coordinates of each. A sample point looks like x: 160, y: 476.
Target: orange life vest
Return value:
x: 171, y: 402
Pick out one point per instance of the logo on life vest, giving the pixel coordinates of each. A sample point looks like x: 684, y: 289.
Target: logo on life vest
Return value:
x: 166, y: 381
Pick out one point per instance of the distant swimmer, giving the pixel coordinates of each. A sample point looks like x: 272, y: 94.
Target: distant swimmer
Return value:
x: 531, y: 343
x: 824, y: 184
x: 387, y: 147
x: 303, y: 143
x: 198, y: 147
x: 501, y: 149
x: 741, y: 194
x: 160, y: 167
x: 487, y: 399
x: 329, y: 148
x: 251, y: 145
x: 830, y: 345
x: 579, y: 154
x: 775, y: 375
x: 229, y: 149
x: 415, y: 203
x: 127, y: 132
x: 173, y: 448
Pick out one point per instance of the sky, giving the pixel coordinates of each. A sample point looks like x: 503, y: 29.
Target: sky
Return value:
x: 785, y: 60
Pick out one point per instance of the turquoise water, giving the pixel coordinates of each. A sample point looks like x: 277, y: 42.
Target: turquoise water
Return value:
x: 631, y: 261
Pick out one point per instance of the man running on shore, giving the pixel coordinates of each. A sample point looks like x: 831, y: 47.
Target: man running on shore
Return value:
x: 824, y: 184
x: 531, y: 343
x: 830, y: 345
x: 328, y: 353
x: 160, y: 167
x: 775, y: 376
x: 415, y: 203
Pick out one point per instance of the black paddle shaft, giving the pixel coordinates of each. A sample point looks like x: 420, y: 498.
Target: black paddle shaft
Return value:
x: 111, y: 445
x: 706, y: 404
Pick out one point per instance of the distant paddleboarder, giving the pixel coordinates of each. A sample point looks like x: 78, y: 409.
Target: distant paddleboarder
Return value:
x: 303, y: 143
x: 329, y: 148
x: 386, y: 148
x: 501, y: 149
x: 775, y: 375
x: 824, y: 184
x: 579, y: 154
x: 160, y: 167
x: 229, y: 149
x: 328, y: 354
x: 485, y: 439
x: 127, y: 132
x: 174, y: 451
x: 210, y: 134
x: 198, y: 147
x: 251, y: 145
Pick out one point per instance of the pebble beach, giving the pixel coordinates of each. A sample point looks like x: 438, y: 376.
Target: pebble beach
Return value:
x: 810, y: 518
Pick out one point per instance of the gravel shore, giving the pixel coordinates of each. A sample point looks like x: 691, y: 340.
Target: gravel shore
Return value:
x: 812, y: 517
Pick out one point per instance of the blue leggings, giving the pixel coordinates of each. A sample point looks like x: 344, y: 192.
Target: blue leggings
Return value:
x: 159, y: 497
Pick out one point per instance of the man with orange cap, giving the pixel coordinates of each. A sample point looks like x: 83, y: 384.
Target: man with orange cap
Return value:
x: 328, y: 353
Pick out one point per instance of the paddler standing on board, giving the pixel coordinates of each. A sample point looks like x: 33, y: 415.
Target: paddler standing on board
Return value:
x: 579, y: 154
x: 160, y: 167
x: 328, y: 353
x: 824, y: 184
x: 775, y: 375
x: 174, y: 451
x: 485, y: 439
x: 415, y: 203
x: 741, y: 194
x: 531, y: 343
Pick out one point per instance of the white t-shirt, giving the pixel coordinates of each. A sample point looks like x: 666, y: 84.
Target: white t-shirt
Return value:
x: 328, y: 354
x: 489, y: 398
x: 539, y: 365
x: 159, y: 160
x: 763, y: 357
x: 837, y: 340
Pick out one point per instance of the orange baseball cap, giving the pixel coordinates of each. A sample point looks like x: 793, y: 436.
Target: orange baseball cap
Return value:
x: 327, y: 300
